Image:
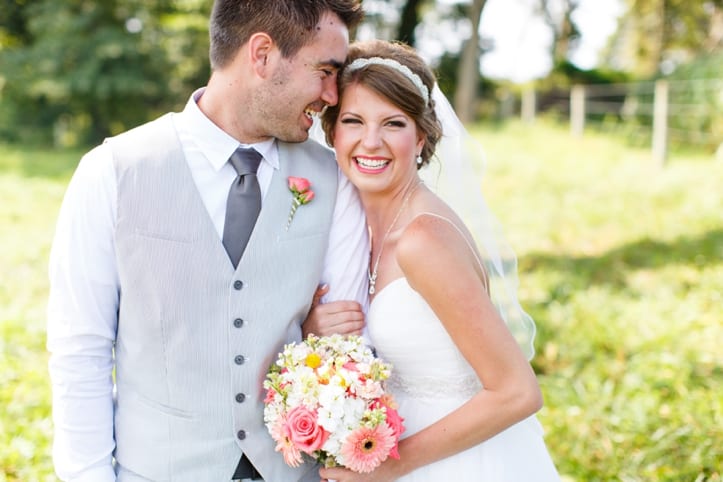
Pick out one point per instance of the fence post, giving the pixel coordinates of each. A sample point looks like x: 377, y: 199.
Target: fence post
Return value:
x: 660, y: 122
x: 577, y: 110
x: 529, y: 106
x: 507, y: 105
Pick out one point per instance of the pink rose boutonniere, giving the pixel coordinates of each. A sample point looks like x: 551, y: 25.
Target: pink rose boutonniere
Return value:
x: 301, y: 189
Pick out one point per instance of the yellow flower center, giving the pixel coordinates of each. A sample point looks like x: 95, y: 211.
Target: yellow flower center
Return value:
x: 313, y: 360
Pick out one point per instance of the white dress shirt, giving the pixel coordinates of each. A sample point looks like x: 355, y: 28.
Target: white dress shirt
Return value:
x: 84, y: 295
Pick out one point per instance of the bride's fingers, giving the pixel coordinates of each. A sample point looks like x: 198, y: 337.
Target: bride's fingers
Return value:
x: 347, y: 318
x: 320, y: 291
x: 342, y: 317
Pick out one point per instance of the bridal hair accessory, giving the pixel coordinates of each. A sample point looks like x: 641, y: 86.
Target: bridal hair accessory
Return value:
x: 373, y: 274
x: 301, y: 189
x: 403, y: 69
x: 325, y: 397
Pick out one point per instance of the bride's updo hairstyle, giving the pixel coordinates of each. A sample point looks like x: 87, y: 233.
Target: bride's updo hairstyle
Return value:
x: 390, y: 81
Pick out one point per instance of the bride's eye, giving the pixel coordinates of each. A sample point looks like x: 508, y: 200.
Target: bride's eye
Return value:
x: 397, y: 123
x: 350, y: 120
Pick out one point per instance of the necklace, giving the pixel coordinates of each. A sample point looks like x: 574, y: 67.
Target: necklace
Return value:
x: 373, y: 274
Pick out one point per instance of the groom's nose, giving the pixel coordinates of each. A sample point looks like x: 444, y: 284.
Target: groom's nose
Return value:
x: 329, y: 93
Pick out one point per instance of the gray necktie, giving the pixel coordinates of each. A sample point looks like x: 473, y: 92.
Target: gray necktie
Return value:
x: 243, y: 203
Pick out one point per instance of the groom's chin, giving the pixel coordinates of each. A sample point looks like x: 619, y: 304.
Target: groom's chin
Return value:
x: 300, y: 136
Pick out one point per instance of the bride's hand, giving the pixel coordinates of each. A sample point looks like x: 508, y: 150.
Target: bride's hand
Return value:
x: 338, y: 474
x: 342, y: 317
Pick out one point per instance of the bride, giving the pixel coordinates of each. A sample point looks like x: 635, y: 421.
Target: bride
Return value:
x: 462, y: 380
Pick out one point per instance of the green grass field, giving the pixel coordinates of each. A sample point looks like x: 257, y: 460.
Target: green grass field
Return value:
x: 621, y: 265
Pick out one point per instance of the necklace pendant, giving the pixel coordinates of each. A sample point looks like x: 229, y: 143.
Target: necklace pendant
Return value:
x: 372, y: 281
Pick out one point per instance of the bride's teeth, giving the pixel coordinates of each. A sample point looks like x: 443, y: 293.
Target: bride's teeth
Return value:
x: 371, y: 163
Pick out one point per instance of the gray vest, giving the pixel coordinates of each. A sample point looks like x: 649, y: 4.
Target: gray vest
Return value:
x: 196, y: 337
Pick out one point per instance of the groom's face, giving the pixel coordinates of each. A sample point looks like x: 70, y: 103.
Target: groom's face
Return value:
x: 302, y: 85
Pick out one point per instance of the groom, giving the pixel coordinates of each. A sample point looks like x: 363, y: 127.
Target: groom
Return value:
x: 161, y: 323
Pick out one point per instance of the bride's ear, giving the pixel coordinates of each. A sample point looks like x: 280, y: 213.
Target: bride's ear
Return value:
x: 420, y: 143
x: 260, y: 48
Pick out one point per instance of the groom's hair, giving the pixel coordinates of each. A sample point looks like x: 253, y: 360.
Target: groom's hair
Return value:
x: 290, y: 23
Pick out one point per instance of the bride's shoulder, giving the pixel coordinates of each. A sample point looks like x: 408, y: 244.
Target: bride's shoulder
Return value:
x: 433, y: 225
x: 429, y: 236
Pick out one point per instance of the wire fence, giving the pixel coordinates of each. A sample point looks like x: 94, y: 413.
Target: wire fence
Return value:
x: 663, y: 112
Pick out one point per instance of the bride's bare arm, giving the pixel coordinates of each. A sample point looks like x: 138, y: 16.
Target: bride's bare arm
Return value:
x: 451, y: 284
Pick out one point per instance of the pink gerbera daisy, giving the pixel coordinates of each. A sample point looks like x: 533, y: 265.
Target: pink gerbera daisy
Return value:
x: 366, y: 448
x: 280, y: 432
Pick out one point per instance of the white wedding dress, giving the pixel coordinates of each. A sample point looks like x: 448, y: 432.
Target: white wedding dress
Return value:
x: 430, y: 378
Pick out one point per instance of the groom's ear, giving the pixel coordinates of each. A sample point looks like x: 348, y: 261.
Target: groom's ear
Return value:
x: 260, y: 47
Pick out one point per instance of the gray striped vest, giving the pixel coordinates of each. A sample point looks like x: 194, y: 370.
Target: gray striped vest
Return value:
x: 196, y: 337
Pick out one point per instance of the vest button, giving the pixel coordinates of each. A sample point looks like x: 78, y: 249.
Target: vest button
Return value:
x: 238, y: 284
x: 240, y: 397
x: 238, y: 322
x: 239, y: 360
x: 241, y: 434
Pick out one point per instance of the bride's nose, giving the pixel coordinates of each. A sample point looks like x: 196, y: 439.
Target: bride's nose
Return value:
x: 372, y: 137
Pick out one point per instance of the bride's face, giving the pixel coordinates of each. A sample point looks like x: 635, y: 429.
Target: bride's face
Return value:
x: 376, y: 143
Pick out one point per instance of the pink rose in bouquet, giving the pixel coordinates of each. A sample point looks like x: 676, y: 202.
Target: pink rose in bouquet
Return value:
x: 306, y: 434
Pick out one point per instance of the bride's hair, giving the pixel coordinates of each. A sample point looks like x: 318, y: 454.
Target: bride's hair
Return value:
x: 394, y: 85
x: 456, y: 179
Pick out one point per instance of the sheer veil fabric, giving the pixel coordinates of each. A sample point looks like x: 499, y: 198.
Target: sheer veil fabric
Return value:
x: 454, y: 173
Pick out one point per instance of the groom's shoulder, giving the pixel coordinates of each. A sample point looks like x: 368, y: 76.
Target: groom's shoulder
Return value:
x: 148, y: 131
x: 310, y: 148
x: 153, y: 142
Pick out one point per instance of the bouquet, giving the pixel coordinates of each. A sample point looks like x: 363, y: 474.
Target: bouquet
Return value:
x: 325, y: 398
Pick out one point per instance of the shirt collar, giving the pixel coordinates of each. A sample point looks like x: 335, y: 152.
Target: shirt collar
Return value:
x: 214, y: 142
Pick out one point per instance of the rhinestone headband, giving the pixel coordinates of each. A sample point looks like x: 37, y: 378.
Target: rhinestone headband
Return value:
x: 403, y: 69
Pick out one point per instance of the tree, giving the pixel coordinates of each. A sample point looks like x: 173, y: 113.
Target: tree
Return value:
x: 409, y: 21
x: 468, y: 77
x: 90, y: 69
x: 13, y: 25
x: 565, y: 32
x: 657, y: 35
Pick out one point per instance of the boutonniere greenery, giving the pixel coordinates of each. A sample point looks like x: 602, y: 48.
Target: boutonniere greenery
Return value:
x: 301, y: 189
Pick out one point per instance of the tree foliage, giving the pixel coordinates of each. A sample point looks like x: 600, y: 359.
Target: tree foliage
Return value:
x: 565, y: 31
x: 75, y: 71
x: 88, y: 69
x: 657, y: 35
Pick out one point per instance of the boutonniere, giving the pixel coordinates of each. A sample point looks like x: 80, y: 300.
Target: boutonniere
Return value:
x: 300, y: 187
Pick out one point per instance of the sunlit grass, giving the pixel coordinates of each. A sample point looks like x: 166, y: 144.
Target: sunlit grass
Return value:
x: 32, y: 183
x: 621, y: 265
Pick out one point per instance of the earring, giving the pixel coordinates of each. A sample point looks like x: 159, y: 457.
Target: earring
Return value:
x: 419, y: 160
